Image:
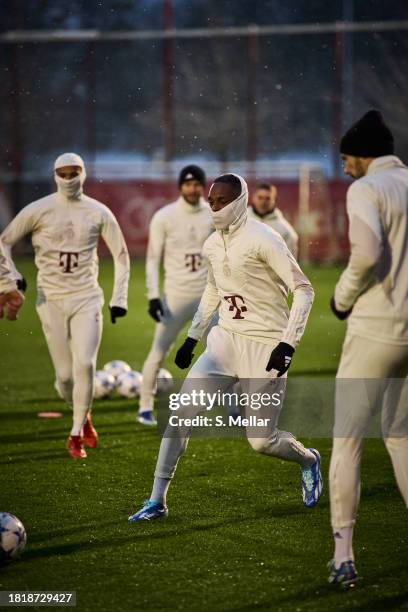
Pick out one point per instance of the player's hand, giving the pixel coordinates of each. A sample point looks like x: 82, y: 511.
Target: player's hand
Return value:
x: 185, y: 354
x: 340, y: 314
x: 281, y: 358
x: 116, y: 312
x: 156, y: 309
x: 22, y: 284
x: 11, y: 303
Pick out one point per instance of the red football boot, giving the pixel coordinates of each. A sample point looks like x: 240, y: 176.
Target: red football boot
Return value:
x: 89, y: 436
x: 76, y: 448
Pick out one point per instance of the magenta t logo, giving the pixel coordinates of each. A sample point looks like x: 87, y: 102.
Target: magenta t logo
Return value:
x: 193, y: 261
x: 232, y: 300
x: 68, y: 261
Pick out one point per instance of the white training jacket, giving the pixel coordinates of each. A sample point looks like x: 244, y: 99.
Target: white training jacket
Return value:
x: 65, y: 234
x: 7, y: 282
x: 375, y: 282
x: 250, y: 270
x: 277, y: 221
x: 177, y: 233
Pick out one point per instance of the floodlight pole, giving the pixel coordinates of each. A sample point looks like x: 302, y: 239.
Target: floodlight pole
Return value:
x: 91, y: 107
x: 337, y: 100
x: 168, y: 89
x: 15, y: 113
x: 348, y: 68
x: 252, y: 102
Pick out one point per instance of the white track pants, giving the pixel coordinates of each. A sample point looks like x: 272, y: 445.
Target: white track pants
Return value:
x: 371, y: 379
x: 73, y: 330
x: 178, y: 311
x: 228, y: 358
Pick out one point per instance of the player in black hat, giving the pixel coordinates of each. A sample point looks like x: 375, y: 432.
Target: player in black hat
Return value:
x: 177, y: 233
x: 372, y: 294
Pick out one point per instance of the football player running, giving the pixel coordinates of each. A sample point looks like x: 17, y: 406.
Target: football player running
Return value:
x: 177, y: 233
x: 250, y: 271
x: 65, y: 228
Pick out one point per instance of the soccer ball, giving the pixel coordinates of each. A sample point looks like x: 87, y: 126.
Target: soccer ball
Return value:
x: 116, y: 368
x: 13, y: 536
x: 128, y: 384
x: 164, y: 381
x: 104, y: 384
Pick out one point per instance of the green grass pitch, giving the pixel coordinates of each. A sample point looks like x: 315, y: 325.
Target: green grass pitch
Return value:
x: 237, y: 538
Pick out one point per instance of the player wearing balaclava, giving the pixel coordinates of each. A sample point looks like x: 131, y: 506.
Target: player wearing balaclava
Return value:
x: 65, y: 228
x: 250, y: 271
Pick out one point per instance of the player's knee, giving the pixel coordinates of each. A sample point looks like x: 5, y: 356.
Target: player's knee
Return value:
x: 350, y: 449
x: 395, y: 445
x: 84, y: 365
x: 64, y: 377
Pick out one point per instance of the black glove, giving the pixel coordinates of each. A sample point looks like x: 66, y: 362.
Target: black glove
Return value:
x: 21, y: 284
x: 340, y: 314
x: 185, y: 354
x: 281, y: 358
x: 156, y: 309
x: 116, y: 312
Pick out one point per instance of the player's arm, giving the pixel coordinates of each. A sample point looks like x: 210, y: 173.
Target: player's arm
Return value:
x: 11, y: 299
x: 365, y: 235
x: 209, y: 303
x: 292, y: 240
x: 22, y: 224
x: 155, y: 249
x: 7, y: 282
x: 113, y: 237
x: 276, y: 254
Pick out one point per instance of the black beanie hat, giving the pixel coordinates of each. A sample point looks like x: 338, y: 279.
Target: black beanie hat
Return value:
x: 192, y: 173
x: 368, y: 137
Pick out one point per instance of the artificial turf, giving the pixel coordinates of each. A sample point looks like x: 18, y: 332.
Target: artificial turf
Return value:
x: 237, y: 538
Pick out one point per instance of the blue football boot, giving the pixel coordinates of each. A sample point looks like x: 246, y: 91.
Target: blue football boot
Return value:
x: 150, y: 510
x: 312, y: 483
x: 146, y: 418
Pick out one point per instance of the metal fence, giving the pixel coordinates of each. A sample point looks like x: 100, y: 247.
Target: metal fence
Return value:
x: 138, y: 104
x: 220, y: 93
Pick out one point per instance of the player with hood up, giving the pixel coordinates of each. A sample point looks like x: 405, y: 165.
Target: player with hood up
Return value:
x: 65, y: 228
x: 250, y: 270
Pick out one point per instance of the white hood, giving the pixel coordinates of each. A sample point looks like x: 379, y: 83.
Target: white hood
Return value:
x: 235, y: 213
x: 70, y: 189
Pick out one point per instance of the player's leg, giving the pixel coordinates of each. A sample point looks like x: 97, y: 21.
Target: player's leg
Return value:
x: 230, y: 404
x: 212, y: 372
x: 361, y: 387
x: 395, y: 415
x: 268, y: 439
x: 55, y: 327
x: 353, y: 414
x: 86, y: 332
x: 178, y: 311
